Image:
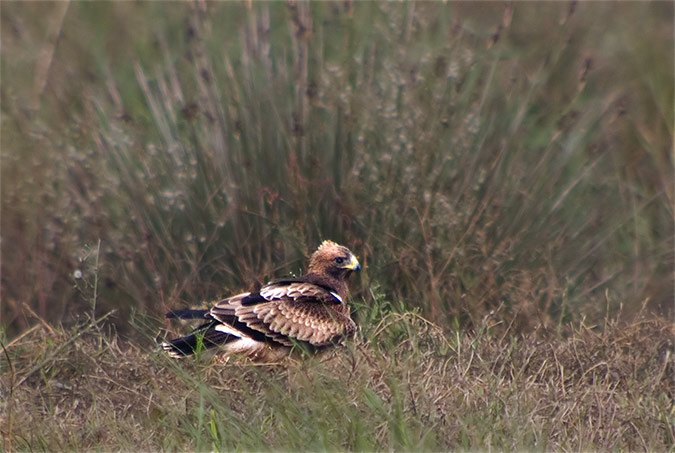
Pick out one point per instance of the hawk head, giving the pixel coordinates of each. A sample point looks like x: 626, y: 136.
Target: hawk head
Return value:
x: 333, y: 260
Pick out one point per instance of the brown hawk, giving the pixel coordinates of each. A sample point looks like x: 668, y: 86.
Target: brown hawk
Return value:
x: 265, y: 324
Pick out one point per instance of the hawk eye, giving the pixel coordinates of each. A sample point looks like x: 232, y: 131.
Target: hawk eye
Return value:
x: 339, y: 260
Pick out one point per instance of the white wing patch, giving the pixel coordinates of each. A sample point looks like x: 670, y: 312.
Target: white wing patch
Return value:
x: 229, y: 330
x: 335, y: 295
x: 293, y: 291
x: 273, y: 292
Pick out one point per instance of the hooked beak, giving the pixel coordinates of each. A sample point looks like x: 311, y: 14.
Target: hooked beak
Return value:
x: 353, y: 264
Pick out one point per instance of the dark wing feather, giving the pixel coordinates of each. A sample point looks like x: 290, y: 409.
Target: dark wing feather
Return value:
x: 303, y: 320
x: 287, y: 310
x: 224, y: 312
x: 206, y: 333
x: 253, y: 299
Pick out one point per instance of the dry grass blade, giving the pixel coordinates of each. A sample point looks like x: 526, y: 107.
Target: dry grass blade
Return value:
x: 402, y: 389
x: 89, y: 328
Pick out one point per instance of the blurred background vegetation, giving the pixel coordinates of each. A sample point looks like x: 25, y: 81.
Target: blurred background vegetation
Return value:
x: 513, y: 158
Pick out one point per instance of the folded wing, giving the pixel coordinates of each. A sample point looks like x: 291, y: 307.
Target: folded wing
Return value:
x: 286, y: 311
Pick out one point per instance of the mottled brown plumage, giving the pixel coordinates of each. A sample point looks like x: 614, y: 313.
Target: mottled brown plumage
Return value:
x: 264, y: 324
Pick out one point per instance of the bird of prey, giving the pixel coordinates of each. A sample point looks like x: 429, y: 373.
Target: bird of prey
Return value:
x: 264, y: 325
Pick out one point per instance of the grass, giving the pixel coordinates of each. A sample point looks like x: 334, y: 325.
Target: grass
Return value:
x: 469, y: 163
x: 503, y: 170
x: 403, y: 386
